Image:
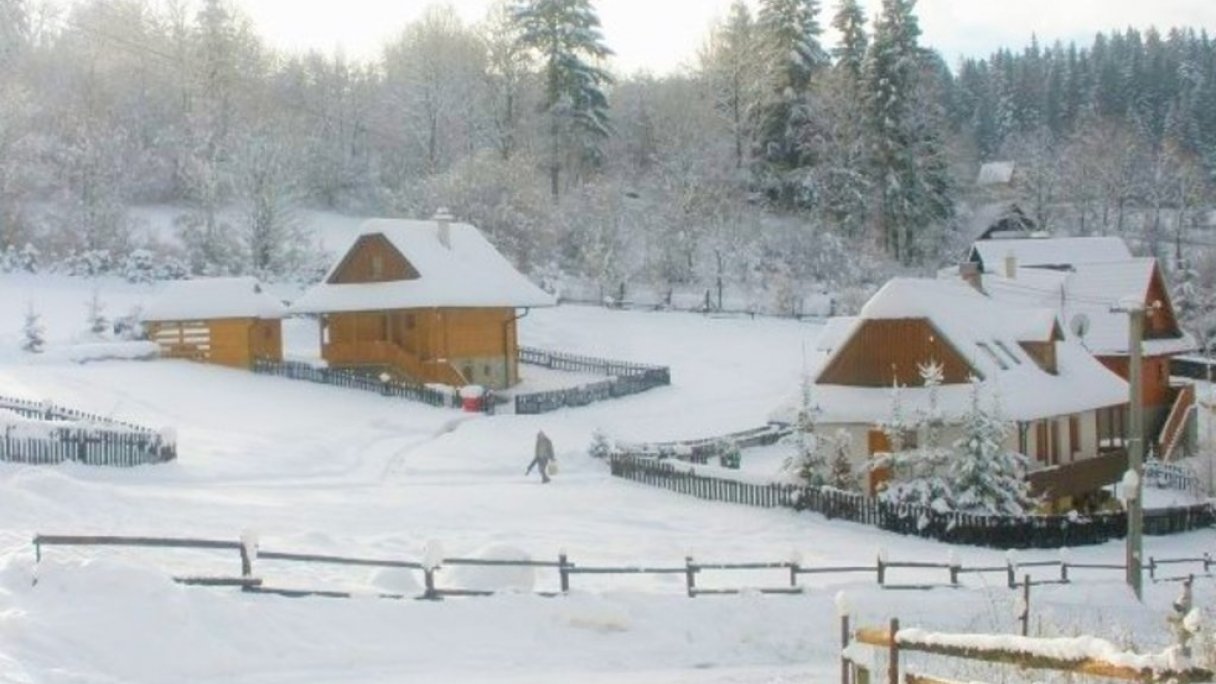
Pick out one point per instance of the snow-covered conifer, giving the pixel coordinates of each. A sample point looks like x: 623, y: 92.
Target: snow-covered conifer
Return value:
x: 97, y: 321
x: 807, y: 463
x: 985, y: 476
x: 34, y: 338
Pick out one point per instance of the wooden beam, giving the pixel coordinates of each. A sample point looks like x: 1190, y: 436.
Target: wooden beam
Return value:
x: 874, y: 636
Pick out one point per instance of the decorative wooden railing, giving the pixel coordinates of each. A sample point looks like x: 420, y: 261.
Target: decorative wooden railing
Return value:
x: 1175, y: 427
x: 390, y: 355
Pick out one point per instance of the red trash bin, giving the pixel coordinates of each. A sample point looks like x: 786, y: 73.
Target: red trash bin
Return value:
x: 472, y: 397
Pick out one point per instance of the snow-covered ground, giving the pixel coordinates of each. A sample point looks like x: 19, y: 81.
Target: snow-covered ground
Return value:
x: 313, y: 468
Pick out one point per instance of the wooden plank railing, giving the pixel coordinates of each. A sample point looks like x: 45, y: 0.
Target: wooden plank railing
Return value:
x: 1175, y: 428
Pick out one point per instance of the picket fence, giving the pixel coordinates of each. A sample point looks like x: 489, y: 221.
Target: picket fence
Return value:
x: 1004, y: 532
x: 623, y: 379
x: 350, y: 379
x: 65, y: 434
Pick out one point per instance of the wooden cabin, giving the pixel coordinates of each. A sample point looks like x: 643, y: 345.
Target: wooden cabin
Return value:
x: 1051, y: 390
x: 225, y: 321
x: 429, y: 301
x: 1084, y: 279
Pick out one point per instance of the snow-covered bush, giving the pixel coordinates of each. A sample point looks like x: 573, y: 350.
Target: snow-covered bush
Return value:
x: 88, y: 264
x: 130, y: 327
x: 601, y: 447
x: 25, y: 259
x: 729, y: 455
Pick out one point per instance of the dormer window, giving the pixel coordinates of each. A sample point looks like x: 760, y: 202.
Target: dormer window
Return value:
x: 1044, y: 354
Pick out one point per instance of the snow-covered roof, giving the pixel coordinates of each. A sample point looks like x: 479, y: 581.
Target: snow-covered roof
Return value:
x: 987, y: 332
x: 995, y: 173
x: 835, y: 331
x: 1001, y: 220
x: 467, y: 272
x: 210, y: 298
x: 1049, y: 252
x: 1084, y: 295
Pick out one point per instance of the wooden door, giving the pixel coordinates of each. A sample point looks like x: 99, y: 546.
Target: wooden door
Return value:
x: 878, y: 443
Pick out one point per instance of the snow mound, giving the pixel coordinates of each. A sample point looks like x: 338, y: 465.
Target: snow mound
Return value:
x: 396, y: 581
x: 595, y: 613
x: 496, y: 578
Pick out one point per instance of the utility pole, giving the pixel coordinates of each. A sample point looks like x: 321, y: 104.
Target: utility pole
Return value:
x: 1135, y: 447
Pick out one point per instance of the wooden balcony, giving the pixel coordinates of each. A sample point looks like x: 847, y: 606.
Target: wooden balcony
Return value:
x: 1081, y: 477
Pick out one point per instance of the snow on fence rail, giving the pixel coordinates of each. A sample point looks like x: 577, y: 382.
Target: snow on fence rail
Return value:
x: 702, y: 451
x: 41, y: 433
x: 1082, y: 655
x: 1005, y: 532
x: 296, y: 370
x: 884, y: 570
x: 624, y: 378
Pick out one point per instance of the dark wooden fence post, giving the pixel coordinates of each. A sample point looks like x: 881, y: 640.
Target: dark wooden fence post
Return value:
x: 690, y: 576
x: 893, y: 654
x: 563, y: 569
x: 429, y: 578
x: 1024, y: 617
x: 882, y: 570
x: 844, y: 647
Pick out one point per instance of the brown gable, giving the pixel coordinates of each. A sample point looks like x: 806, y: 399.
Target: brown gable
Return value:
x: 372, y: 259
x: 1161, y: 323
x: 889, y: 350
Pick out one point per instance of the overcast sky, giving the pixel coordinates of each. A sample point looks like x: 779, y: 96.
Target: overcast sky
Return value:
x: 662, y: 35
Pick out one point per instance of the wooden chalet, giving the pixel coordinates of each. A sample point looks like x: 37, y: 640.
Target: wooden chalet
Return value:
x: 225, y: 321
x: 430, y: 301
x: 1083, y: 279
x: 1050, y: 387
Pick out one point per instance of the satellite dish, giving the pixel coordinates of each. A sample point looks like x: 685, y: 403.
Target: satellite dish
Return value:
x: 1079, y: 325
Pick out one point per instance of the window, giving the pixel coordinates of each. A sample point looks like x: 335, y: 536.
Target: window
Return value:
x: 992, y: 355
x: 1012, y: 357
x: 377, y: 267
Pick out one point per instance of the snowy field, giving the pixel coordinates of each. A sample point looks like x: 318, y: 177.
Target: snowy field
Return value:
x: 311, y: 468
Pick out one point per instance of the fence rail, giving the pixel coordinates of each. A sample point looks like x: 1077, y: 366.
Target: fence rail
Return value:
x: 702, y: 451
x: 1005, y: 532
x: 254, y: 561
x: 55, y: 434
x: 623, y: 379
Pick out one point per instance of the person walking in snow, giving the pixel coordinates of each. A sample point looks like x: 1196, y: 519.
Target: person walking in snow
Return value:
x: 543, y: 457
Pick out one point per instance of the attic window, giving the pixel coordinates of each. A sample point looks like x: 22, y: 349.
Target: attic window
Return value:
x: 992, y: 355
x: 1001, y: 345
x: 377, y: 267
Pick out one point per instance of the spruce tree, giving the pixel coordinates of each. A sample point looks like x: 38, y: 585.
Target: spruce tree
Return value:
x: 905, y: 126
x: 919, y: 472
x: 808, y: 463
x: 850, y: 53
x: 567, y: 36
x: 789, y: 31
x: 34, y: 334
x: 986, y: 477
x: 98, y: 324
x: 841, y: 475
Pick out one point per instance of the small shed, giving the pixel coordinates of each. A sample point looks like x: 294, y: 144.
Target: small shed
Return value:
x: 225, y: 321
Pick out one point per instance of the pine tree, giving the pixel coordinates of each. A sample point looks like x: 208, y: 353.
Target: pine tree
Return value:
x: 905, y: 120
x: 986, y: 477
x: 566, y: 34
x: 808, y: 463
x: 34, y: 334
x: 789, y: 35
x: 841, y: 475
x: 918, y: 473
x: 850, y: 53
x: 98, y: 324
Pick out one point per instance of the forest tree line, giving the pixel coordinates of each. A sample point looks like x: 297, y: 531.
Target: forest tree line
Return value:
x: 772, y: 157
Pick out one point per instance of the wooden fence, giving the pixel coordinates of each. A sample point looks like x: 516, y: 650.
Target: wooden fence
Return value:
x: 1005, y: 532
x: 887, y: 573
x: 623, y: 379
x: 60, y: 434
x: 702, y: 451
x: 354, y: 380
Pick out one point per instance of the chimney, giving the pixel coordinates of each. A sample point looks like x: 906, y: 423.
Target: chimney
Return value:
x: 444, y: 220
x: 1011, y: 266
x: 969, y: 271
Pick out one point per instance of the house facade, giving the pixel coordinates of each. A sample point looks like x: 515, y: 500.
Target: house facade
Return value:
x: 225, y: 321
x: 428, y: 301
x: 1087, y: 281
x: 1049, y: 388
